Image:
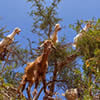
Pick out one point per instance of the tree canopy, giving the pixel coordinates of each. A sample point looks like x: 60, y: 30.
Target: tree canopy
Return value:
x: 64, y: 71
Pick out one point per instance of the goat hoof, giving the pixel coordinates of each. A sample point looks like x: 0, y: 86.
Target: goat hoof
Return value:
x: 35, y: 92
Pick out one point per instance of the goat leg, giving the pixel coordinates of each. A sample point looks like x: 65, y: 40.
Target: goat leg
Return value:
x: 35, y: 89
x: 44, y: 84
x: 28, y: 90
x: 22, y: 85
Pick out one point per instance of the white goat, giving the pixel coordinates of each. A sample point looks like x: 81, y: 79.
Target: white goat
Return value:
x: 6, y: 42
x: 10, y: 38
x: 85, y: 29
x: 54, y: 36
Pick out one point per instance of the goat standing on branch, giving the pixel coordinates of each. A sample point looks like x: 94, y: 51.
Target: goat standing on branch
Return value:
x: 54, y: 36
x: 36, y: 71
x: 78, y: 36
x: 71, y: 94
x: 7, y: 41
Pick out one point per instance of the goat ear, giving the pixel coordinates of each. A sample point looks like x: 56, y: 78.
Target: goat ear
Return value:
x: 42, y: 45
x: 53, y: 46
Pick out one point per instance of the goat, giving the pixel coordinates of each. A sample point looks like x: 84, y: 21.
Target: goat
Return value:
x: 54, y: 36
x: 85, y: 29
x: 7, y: 41
x: 71, y: 94
x: 36, y: 70
x: 10, y: 38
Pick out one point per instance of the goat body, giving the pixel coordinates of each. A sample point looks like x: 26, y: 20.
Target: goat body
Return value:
x: 36, y: 71
x: 78, y: 36
x: 10, y: 38
x: 35, y: 68
x: 6, y: 42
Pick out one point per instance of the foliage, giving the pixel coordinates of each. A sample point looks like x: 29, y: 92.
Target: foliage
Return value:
x: 64, y: 72
x: 89, y: 50
x: 2, y: 32
x: 9, y: 77
x: 44, y: 14
x: 45, y: 17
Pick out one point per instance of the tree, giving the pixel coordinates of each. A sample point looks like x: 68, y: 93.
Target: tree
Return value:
x: 45, y: 17
x: 14, y: 59
x: 89, y: 50
x: 64, y: 72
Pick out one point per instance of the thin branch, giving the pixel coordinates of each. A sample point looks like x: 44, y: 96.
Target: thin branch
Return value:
x: 54, y: 78
x: 39, y: 8
x: 16, y: 53
x: 67, y: 61
x: 5, y: 63
x: 66, y: 45
x: 8, y: 91
x: 30, y: 46
x: 47, y: 85
x: 60, y: 65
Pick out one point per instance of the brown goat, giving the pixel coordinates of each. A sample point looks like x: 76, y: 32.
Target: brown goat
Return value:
x: 36, y: 71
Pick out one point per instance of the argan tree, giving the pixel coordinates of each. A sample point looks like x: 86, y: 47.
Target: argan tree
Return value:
x: 64, y: 71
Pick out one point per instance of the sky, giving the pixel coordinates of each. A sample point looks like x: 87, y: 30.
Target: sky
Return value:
x: 14, y: 13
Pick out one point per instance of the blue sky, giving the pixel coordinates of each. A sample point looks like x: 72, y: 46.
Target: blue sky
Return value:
x: 72, y: 10
x: 14, y: 13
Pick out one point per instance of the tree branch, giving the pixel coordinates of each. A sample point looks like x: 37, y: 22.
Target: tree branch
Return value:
x: 47, y: 85
x: 67, y: 61
x: 54, y: 78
